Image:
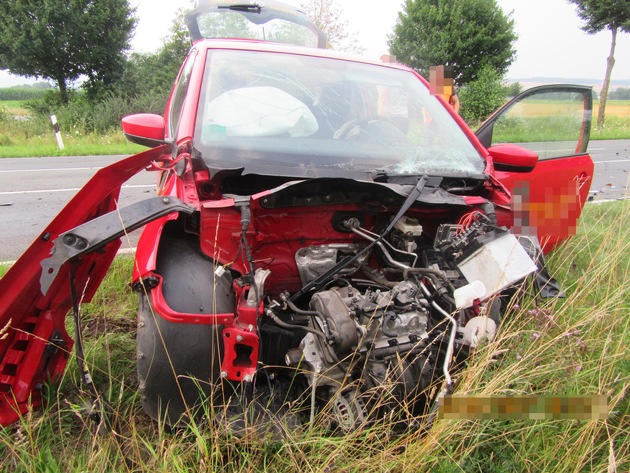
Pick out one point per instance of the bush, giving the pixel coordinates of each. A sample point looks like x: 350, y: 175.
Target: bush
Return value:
x: 482, y: 96
x: 82, y: 116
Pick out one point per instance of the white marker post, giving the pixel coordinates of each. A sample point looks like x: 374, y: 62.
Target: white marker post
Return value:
x: 55, y: 125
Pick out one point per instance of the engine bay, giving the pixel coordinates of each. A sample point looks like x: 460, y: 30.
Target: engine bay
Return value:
x: 369, y: 305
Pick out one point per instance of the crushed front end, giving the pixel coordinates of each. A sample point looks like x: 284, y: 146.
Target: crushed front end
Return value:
x: 329, y: 298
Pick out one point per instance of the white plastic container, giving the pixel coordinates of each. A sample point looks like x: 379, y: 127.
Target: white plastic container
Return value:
x: 498, y: 264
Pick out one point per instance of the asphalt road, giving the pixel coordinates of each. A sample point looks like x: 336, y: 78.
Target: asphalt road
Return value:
x: 34, y: 190
x: 611, y: 179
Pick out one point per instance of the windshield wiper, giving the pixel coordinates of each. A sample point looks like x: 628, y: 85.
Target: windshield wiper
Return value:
x: 248, y: 8
x: 382, y: 175
x: 319, y: 282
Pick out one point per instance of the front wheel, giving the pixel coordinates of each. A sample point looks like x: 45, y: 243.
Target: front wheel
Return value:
x: 179, y: 364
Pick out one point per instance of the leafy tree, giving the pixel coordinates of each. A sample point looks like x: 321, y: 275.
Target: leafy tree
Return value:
x: 620, y: 93
x: 514, y: 89
x: 481, y: 97
x: 62, y: 40
x: 599, y: 15
x: 465, y: 34
x: 155, y: 73
x: 222, y: 25
x: 328, y: 16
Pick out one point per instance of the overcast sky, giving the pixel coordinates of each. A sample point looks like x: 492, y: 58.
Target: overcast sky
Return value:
x: 550, y: 42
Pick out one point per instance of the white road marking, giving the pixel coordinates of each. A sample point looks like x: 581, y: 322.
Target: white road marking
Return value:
x: 46, y: 191
x: 605, y: 201
x: 50, y: 170
x: 613, y: 161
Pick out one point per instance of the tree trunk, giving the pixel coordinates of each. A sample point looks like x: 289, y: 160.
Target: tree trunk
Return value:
x: 610, y: 62
x: 63, y: 90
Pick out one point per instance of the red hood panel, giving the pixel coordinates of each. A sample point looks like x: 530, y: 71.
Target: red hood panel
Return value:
x: 35, y: 346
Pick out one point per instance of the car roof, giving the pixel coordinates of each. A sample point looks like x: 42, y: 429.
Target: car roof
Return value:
x: 264, y: 46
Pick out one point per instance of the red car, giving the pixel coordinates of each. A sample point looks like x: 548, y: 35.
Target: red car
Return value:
x: 327, y: 236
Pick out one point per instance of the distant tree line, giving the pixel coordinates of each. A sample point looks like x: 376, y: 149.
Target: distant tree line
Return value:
x: 620, y: 93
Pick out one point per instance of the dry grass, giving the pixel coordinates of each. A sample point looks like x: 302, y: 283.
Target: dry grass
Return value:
x: 575, y: 346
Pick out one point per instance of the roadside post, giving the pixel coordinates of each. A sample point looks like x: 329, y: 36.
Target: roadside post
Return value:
x: 55, y: 125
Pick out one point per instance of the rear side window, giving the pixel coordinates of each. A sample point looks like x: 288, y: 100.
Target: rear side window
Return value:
x: 179, y: 94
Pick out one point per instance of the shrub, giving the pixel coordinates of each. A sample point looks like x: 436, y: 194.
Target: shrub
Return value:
x: 482, y: 96
x: 83, y: 116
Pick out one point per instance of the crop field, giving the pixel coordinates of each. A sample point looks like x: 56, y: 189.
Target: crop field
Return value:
x: 614, y: 108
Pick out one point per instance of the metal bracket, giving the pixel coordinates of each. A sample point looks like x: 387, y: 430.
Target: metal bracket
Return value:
x: 96, y: 233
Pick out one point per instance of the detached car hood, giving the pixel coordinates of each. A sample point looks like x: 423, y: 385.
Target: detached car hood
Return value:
x: 34, y: 346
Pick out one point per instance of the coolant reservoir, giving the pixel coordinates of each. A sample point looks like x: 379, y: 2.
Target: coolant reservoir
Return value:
x: 466, y: 295
x: 478, y: 329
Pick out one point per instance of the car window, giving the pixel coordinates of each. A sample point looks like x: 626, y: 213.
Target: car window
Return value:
x: 262, y: 108
x: 179, y: 94
x: 552, y: 124
x: 235, y: 25
x: 268, y: 21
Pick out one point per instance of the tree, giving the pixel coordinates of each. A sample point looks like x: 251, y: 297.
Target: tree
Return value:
x: 328, y: 16
x: 464, y: 34
x: 513, y: 89
x: 62, y: 40
x: 154, y: 73
x: 621, y: 93
x: 600, y: 15
x: 482, y: 96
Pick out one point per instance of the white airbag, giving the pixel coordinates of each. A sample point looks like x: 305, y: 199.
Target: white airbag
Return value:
x: 259, y: 111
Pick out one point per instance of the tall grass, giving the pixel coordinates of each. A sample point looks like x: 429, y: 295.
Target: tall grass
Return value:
x: 86, y: 128
x: 573, y: 346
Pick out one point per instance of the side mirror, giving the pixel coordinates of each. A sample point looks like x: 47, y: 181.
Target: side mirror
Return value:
x: 513, y: 158
x: 146, y: 129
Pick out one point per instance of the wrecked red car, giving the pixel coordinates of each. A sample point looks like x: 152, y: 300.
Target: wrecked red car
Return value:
x: 327, y: 238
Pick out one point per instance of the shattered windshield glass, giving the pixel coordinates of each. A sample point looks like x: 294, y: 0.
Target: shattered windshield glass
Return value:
x: 285, y: 114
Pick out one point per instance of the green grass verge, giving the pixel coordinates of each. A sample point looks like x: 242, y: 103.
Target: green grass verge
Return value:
x: 615, y: 128
x: 572, y: 346
x: 13, y: 104
x: 74, y: 145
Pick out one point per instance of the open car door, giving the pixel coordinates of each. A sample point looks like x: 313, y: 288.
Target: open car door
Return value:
x: 552, y: 122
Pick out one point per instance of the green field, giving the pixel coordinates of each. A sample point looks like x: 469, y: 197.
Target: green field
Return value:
x: 549, y: 120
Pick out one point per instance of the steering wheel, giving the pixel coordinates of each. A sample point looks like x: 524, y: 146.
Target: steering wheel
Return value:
x: 375, y: 128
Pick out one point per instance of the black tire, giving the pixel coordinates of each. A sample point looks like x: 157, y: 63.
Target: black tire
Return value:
x: 178, y: 363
